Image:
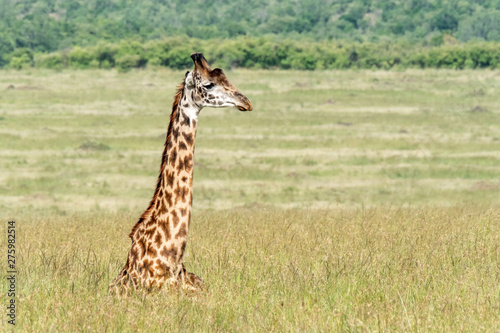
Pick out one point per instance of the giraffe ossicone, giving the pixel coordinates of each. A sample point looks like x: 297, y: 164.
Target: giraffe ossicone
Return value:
x: 159, y: 237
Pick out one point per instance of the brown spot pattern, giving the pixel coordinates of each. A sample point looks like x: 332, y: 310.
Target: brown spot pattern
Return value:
x: 173, y: 156
x: 170, y: 178
x: 165, y: 227
x: 185, y: 120
x: 182, y: 231
x: 189, y: 138
x: 183, y: 211
x: 151, y: 252
x: 158, y: 239
x: 168, y: 199
x: 163, y: 209
x: 181, y: 193
x: 147, y: 268
x: 175, y: 133
x: 141, y: 245
x: 175, y: 218
x: 149, y: 233
x: 169, y: 253
x: 180, y: 165
x: 161, y: 267
x: 188, y: 162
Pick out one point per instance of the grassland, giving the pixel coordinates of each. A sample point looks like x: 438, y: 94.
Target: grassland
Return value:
x: 93, y: 139
x: 346, y: 201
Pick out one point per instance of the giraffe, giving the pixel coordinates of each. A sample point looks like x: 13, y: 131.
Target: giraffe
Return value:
x: 159, y: 237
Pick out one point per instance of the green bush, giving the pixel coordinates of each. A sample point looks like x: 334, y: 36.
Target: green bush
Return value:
x: 130, y: 48
x: 178, y: 58
x: 267, y: 53
x: 21, y: 58
x: 80, y: 58
x: 105, y: 55
x: 51, y: 61
x: 20, y: 62
x: 127, y: 62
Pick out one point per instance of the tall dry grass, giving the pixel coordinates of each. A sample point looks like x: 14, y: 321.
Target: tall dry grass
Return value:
x: 374, y: 269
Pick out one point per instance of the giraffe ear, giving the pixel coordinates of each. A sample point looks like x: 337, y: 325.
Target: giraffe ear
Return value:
x: 189, y: 80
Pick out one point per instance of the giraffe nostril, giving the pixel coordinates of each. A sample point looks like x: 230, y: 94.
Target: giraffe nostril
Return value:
x: 247, y: 107
x: 243, y: 102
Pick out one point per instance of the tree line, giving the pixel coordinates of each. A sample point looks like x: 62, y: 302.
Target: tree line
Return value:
x: 50, y: 25
x: 245, y: 52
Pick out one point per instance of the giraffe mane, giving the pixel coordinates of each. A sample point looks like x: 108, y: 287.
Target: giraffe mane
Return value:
x: 146, y: 214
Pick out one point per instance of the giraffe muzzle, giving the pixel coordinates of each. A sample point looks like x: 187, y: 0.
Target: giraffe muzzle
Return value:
x: 245, y: 103
x: 245, y: 108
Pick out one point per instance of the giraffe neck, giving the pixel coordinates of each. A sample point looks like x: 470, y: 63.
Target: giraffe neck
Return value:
x: 176, y: 172
x: 174, y: 190
x: 164, y: 225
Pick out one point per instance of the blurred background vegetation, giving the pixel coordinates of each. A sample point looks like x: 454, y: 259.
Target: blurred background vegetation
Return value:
x: 284, y: 34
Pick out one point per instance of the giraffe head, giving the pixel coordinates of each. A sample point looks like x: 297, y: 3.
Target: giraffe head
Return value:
x: 210, y: 87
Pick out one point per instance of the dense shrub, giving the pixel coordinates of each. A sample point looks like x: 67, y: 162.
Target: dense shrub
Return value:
x: 127, y: 62
x: 80, y: 58
x: 51, y: 61
x: 105, y: 55
x: 21, y: 58
x: 130, y: 53
x: 266, y: 53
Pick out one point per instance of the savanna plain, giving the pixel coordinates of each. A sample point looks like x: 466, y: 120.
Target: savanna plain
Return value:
x: 356, y: 201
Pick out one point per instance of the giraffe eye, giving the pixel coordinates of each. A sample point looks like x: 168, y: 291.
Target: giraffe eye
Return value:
x: 209, y: 86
